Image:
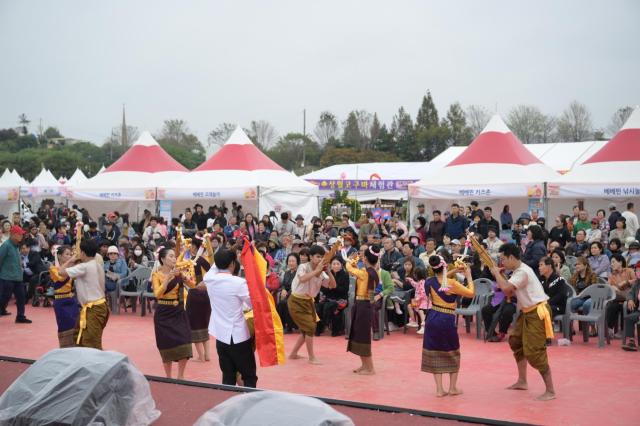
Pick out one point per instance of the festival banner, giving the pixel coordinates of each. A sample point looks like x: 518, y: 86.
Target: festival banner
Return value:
x: 361, y: 185
x: 269, y: 334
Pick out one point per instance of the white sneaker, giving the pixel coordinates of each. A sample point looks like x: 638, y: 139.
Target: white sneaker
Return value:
x: 420, y: 330
x: 412, y: 324
x: 393, y: 327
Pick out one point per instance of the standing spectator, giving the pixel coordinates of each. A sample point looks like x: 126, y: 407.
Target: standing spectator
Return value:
x: 535, y: 248
x: 581, y: 223
x: 506, y: 220
x: 613, y: 216
x: 6, y: 234
x: 11, y: 275
x: 456, y: 224
x: 560, y: 232
x: 436, y: 228
x: 421, y: 213
x: 189, y: 227
x: 632, y: 219
x: 251, y: 225
x: 487, y: 222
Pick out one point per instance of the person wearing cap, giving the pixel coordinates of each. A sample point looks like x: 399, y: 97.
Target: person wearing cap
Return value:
x: 11, y: 275
x: 613, y: 215
x: 594, y: 233
x: 89, y: 277
x: 421, y: 213
x: 115, y: 268
x: 329, y: 229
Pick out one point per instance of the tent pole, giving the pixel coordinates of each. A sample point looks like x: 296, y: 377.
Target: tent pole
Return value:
x: 545, y: 204
x: 258, y: 206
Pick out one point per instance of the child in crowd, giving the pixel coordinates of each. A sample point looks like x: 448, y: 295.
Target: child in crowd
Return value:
x: 421, y: 302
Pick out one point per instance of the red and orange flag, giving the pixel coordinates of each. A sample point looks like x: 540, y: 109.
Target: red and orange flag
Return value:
x: 268, y: 326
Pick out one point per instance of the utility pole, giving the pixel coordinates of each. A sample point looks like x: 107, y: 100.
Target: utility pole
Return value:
x: 304, y: 135
x: 111, y: 145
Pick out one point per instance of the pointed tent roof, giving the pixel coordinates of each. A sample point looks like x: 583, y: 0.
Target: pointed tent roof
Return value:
x: 15, y: 173
x: 625, y: 145
x: 496, y: 164
x: 45, y: 179
x: 102, y: 169
x: 77, y: 178
x: 613, y: 171
x: 146, y: 155
x: 239, y: 153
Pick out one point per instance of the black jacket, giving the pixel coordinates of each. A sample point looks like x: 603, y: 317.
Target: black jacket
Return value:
x: 556, y: 288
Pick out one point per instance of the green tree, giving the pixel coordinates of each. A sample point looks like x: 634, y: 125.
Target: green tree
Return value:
x: 52, y: 133
x: 459, y: 133
x: 618, y: 119
x: 351, y: 136
x: 383, y: 141
x: 190, y: 158
x: 403, y: 135
x: 374, y: 132
x: 176, y: 133
x: 327, y: 129
x: 290, y: 149
x: 334, y: 155
x: 427, y: 114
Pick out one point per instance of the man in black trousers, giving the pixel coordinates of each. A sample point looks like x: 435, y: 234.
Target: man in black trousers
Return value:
x: 228, y: 294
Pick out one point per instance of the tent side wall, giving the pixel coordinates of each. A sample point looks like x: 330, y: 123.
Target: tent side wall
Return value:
x: 298, y: 201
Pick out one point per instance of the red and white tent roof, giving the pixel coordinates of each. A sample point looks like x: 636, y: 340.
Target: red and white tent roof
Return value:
x: 612, y: 172
x: 496, y: 164
x: 134, y: 176
x: 240, y: 171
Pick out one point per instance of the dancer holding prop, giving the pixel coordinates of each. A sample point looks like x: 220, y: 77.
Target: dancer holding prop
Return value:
x: 65, y: 305
x: 534, y: 326
x: 304, y: 288
x: 441, y: 346
x: 362, y: 311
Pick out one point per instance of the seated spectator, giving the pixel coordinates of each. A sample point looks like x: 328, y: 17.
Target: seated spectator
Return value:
x: 506, y: 219
x: 560, y: 231
x: 621, y: 232
x: 493, y: 243
x: 31, y: 266
x: 535, y: 249
x: 407, y: 251
x: 559, y: 260
x: 621, y: 279
x: 633, y: 307
x: 115, y: 268
x: 421, y: 229
x: 598, y: 260
x: 554, y: 286
x: 632, y: 256
x: 505, y: 308
x: 286, y: 278
x: 581, y: 223
x: 603, y: 225
x: 332, y: 301
x: 285, y: 226
x: 231, y: 227
x: 594, y: 233
x: 582, y: 278
x: 329, y: 230
x: 419, y: 248
x: 138, y: 258
x: 580, y: 247
x: 62, y: 237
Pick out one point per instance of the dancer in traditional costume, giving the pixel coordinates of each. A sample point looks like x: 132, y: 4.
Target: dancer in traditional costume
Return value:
x: 304, y: 288
x: 65, y: 305
x: 362, y: 311
x: 173, y: 335
x: 198, y: 304
x: 89, y: 279
x: 441, y: 346
x: 534, y: 325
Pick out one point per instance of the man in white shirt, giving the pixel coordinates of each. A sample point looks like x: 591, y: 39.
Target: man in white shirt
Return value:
x: 285, y: 226
x: 632, y: 219
x: 89, y: 284
x: 534, y: 326
x: 228, y: 295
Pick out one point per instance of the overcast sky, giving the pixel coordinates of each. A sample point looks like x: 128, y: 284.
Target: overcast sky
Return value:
x: 73, y: 63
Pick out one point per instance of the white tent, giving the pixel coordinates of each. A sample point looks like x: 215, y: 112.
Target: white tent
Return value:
x: 370, y: 181
x: 132, y: 179
x: 9, y: 193
x: 22, y: 181
x: 240, y: 172
x: 45, y: 185
x: 495, y: 168
x: 77, y: 178
x: 611, y: 174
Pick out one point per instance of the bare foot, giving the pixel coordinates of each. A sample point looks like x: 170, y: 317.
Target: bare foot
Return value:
x: 314, y: 361
x: 364, y: 372
x: 207, y: 359
x: 519, y: 386
x: 199, y: 359
x: 547, y: 396
x: 441, y: 394
x: 295, y: 356
x: 455, y: 391
x: 357, y: 370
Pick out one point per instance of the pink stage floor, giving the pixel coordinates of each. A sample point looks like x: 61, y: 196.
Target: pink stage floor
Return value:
x: 594, y: 385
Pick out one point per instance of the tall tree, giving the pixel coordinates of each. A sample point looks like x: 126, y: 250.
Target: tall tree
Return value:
x: 327, y: 130
x: 218, y: 136
x: 374, y: 131
x: 290, y: 150
x: 364, y: 120
x: 618, y: 119
x: 52, y: 133
x: 174, y: 131
x: 530, y: 124
x: 351, y: 137
x: 575, y: 123
x: 477, y: 117
x: 459, y: 133
x: 383, y: 141
x: 263, y: 133
x: 24, y: 123
x: 403, y: 135
x: 116, y: 135
x: 427, y: 114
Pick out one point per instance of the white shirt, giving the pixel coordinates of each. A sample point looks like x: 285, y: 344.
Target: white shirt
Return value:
x: 309, y: 288
x: 529, y: 290
x: 632, y: 222
x: 89, y: 280
x: 227, y: 294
